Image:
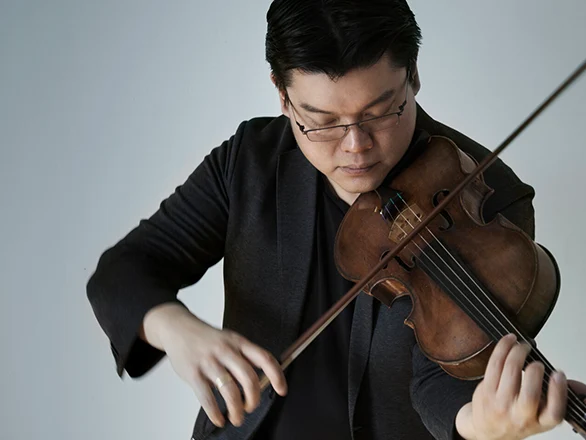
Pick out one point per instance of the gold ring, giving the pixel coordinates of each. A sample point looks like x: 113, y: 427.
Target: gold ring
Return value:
x: 223, y: 380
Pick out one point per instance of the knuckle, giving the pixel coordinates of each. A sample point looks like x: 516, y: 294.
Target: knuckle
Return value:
x: 550, y: 419
x: 516, y: 353
x: 518, y: 348
x: 536, y: 368
x: 549, y: 422
x: 499, y: 412
x: 230, y: 336
x: 208, y: 363
x: 496, y: 408
x: 524, y: 427
x: 525, y: 421
x: 557, y: 418
x: 204, y: 362
x: 250, y: 377
x: 195, y: 377
x: 504, y: 345
x: 236, y: 337
x: 247, y: 379
x: 222, y: 347
x: 267, y: 357
x: 533, y: 366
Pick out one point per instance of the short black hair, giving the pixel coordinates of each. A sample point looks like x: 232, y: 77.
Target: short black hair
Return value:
x: 336, y: 36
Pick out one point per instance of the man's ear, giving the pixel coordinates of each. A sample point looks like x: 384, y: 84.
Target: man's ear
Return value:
x: 282, y: 97
x: 415, y: 80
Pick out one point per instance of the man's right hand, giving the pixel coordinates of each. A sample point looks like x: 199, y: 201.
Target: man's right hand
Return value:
x: 205, y: 357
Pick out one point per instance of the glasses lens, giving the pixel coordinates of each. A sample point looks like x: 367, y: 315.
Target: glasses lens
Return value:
x: 386, y: 122
x: 327, y: 134
x: 383, y: 123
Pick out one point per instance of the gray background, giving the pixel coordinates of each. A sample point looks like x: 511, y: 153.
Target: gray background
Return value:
x: 106, y: 106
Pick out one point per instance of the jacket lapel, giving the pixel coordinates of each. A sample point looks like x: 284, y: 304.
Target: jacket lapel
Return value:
x: 364, y: 317
x: 296, y: 213
x: 360, y: 339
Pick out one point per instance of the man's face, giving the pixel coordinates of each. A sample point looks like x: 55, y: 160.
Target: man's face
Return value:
x: 359, y: 161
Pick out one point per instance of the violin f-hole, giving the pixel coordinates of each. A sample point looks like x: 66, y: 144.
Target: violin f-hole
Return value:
x: 406, y: 266
x: 437, y: 198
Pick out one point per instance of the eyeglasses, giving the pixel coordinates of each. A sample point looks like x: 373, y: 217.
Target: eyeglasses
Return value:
x: 371, y: 125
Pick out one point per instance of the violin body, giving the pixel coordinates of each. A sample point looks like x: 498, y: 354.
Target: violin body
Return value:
x: 470, y: 281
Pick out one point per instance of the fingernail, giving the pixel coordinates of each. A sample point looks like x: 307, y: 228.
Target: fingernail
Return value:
x: 559, y: 376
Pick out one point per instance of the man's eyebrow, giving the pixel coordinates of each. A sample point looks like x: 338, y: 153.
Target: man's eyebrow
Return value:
x: 382, y: 98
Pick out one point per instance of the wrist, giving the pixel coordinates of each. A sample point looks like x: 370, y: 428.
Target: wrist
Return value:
x: 158, y: 323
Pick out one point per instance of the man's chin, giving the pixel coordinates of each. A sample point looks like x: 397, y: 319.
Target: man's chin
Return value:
x: 358, y: 188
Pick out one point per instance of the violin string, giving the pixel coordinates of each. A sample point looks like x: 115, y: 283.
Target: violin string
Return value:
x: 440, y: 270
x: 573, y: 398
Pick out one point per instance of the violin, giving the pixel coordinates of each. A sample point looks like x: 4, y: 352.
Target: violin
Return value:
x: 470, y: 282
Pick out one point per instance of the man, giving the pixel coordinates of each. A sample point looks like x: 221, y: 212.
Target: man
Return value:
x: 269, y: 202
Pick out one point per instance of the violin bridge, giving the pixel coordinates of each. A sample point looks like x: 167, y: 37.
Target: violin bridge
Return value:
x: 399, y: 215
x: 404, y: 222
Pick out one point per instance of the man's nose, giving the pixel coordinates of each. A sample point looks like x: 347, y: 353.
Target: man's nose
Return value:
x: 356, y: 140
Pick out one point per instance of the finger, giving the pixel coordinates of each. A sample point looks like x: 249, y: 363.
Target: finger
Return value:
x: 527, y: 407
x: 244, y: 374
x: 227, y: 387
x: 496, y: 362
x: 578, y: 388
x: 206, y: 399
x: 510, y: 382
x: 267, y: 362
x: 555, y: 407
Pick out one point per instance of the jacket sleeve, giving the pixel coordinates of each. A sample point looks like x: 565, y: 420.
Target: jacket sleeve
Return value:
x: 163, y: 254
x: 435, y: 395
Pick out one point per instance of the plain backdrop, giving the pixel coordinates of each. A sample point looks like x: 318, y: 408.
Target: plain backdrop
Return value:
x: 106, y: 106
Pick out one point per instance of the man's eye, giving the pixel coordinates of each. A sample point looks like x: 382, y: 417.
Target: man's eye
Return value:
x: 378, y: 113
x: 324, y: 124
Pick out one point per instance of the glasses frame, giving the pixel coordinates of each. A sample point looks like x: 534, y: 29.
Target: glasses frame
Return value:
x: 346, y: 127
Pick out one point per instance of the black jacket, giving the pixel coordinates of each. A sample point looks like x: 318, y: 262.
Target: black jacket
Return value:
x: 252, y: 201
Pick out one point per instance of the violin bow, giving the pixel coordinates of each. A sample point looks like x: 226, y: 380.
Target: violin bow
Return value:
x: 325, y: 320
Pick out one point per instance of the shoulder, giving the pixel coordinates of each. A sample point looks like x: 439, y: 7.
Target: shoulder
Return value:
x: 253, y: 148
x: 272, y: 133
x: 511, y: 197
x: 498, y: 176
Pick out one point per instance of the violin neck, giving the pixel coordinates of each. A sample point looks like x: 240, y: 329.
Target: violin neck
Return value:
x: 576, y: 408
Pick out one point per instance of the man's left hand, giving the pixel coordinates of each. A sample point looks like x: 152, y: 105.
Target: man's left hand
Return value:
x: 508, y: 404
